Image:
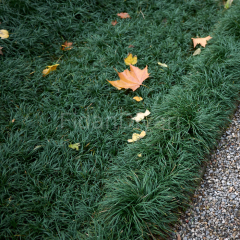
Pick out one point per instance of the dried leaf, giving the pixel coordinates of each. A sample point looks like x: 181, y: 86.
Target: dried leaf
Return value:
x: 162, y: 64
x: 202, y: 41
x: 131, y: 46
x: 138, y: 99
x: 228, y: 4
x: 130, y: 60
x: 13, y: 120
x: 74, y: 146
x: 139, y: 155
x: 140, y: 116
x: 114, y: 22
x: 67, y: 46
x: 49, y: 69
x: 178, y: 237
x: 123, y: 15
x: 38, y: 146
x: 197, y: 52
x: 131, y: 79
x: 136, y: 136
x: 4, y: 34
x: 1, y: 50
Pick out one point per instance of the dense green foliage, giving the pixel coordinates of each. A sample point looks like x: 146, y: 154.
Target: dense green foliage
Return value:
x: 104, y: 190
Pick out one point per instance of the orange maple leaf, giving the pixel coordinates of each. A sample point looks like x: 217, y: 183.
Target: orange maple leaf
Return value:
x: 202, y: 41
x: 131, y: 79
x: 123, y: 15
x: 67, y: 45
x: 114, y: 22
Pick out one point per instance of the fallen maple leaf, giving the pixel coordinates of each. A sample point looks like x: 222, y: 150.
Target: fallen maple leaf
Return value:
x: 1, y: 50
x: 162, y: 64
x: 140, y: 116
x: 131, y: 79
x: 136, y: 136
x: 123, y: 15
x: 49, y: 69
x: 74, y: 146
x: 197, y: 52
x: 114, y: 22
x: 202, y: 41
x: 4, y: 34
x: 228, y: 4
x: 67, y: 46
x: 130, y: 60
x: 138, y: 99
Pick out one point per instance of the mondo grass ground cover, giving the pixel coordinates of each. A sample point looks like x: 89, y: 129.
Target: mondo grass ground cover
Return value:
x: 105, y: 190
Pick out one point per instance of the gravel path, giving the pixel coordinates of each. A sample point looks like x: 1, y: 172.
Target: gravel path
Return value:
x: 215, y: 211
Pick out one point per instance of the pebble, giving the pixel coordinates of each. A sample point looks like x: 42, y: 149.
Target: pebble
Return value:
x: 215, y: 210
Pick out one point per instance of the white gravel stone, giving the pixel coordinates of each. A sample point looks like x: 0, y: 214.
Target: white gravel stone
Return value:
x: 215, y: 210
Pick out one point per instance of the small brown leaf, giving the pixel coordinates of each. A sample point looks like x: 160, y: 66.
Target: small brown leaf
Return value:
x: 114, y: 22
x: 178, y: 237
x: 1, y: 50
x: 131, y: 46
x: 123, y: 15
x: 13, y: 120
x: 202, y: 41
x: 67, y: 46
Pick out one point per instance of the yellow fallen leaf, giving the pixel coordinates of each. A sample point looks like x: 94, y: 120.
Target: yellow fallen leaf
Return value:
x: 136, y: 136
x: 139, y: 155
x: 130, y: 60
x: 138, y: 99
x: 162, y: 64
x: 228, y: 4
x: 4, y: 34
x: 74, y: 146
x: 140, y: 116
x: 197, y: 52
x: 49, y: 69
